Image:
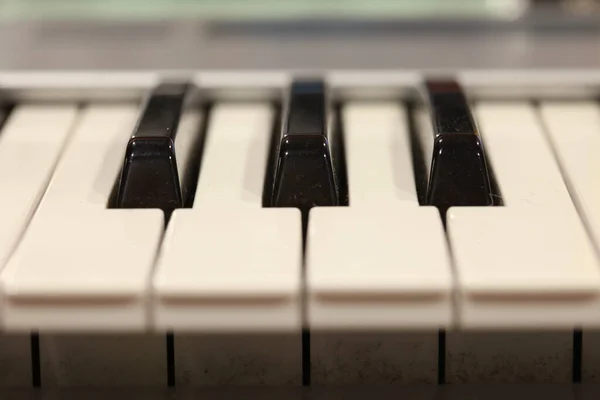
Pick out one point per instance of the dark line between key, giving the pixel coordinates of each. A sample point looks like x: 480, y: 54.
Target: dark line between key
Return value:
x: 441, y: 357
x: 456, y: 122
x: 306, y: 365
x: 418, y: 158
x: 170, y: 342
x: 5, y: 111
x: 188, y: 190
x: 497, y: 199
x: 577, y: 355
x: 294, y: 172
x: 36, y: 375
x: 420, y: 175
x: 268, y: 187
x: 190, y: 181
x: 269, y: 181
x: 339, y: 153
x: 342, y: 180
x: 306, y: 356
x: 192, y: 173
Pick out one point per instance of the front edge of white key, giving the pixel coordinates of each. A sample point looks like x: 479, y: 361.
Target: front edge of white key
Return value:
x: 384, y: 268
x: 100, y: 284
x: 523, y: 269
x: 81, y: 266
x: 230, y: 271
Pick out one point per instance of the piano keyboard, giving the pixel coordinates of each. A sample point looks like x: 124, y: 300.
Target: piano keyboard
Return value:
x: 291, y: 229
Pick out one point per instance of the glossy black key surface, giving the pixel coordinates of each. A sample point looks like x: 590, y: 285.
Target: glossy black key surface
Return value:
x: 150, y: 177
x: 459, y: 173
x: 304, y: 171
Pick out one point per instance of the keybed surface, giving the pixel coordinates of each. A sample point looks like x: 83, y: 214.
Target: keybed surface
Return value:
x: 378, y: 276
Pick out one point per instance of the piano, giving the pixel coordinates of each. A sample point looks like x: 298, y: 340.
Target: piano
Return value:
x: 373, y: 221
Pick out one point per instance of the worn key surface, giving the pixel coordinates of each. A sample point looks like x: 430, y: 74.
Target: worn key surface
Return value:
x: 458, y: 173
x: 157, y: 155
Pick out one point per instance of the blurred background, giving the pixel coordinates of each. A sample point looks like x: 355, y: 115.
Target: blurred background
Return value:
x: 299, y: 34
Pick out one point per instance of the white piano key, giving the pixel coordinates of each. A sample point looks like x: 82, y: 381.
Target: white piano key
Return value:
x: 528, y: 264
x: 398, y: 273
x: 380, y: 264
x: 229, y: 269
x: 31, y: 142
x: 87, y: 171
x: 378, y: 155
x: 229, y: 263
x: 521, y: 157
x: 574, y: 131
x: 233, y: 270
x: 235, y: 157
x: 81, y: 266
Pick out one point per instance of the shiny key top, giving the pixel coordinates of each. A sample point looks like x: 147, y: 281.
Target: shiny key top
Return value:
x: 305, y: 163
x: 157, y: 158
x: 458, y: 172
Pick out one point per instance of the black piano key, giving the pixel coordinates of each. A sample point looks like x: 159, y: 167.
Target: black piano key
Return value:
x: 153, y: 173
x: 458, y: 173
x: 304, y: 166
x: 160, y: 166
x: 305, y: 171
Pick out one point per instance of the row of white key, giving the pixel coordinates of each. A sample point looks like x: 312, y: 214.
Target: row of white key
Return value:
x: 229, y: 264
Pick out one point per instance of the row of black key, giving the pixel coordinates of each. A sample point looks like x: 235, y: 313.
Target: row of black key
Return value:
x: 305, y: 164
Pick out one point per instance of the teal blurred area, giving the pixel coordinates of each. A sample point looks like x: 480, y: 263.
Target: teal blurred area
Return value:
x: 298, y: 34
x: 261, y: 9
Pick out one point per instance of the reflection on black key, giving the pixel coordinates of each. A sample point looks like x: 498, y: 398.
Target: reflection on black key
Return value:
x: 459, y: 173
x: 159, y: 151
x: 304, y: 171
